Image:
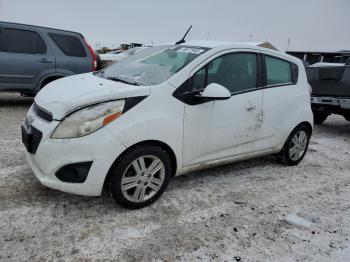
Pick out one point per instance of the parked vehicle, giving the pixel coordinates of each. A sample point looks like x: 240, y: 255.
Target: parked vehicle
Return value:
x: 166, y: 111
x: 310, y: 58
x: 33, y: 56
x: 115, y: 56
x: 114, y: 52
x: 330, y: 90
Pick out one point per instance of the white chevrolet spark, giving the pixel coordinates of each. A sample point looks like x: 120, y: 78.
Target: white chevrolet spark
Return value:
x: 166, y: 111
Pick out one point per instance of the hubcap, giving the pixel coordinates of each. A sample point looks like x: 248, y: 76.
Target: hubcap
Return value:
x: 143, y: 178
x: 298, y: 145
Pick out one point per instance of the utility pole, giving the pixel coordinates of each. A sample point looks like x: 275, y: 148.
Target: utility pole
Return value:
x: 0, y: 9
x: 208, y: 35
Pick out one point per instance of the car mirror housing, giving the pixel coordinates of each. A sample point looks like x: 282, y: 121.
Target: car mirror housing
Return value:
x: 215, y: 91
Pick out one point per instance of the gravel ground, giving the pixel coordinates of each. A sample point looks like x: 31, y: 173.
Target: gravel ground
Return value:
x: 232, y: 213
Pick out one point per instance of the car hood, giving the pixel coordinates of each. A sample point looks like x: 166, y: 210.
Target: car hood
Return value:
x: 67, y: 94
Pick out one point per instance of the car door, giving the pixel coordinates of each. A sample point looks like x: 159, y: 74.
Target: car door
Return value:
x: 281, y: 99
x: 24, y: 57
x: 72, y: 54
x: 224, y: 128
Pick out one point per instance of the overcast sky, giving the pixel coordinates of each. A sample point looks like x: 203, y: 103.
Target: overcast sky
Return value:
x: 321, y: 25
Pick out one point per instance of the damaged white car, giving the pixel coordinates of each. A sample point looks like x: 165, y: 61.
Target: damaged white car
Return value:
x: 166, y: 111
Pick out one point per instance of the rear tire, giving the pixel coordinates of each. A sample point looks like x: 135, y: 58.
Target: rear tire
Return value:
x: 140, y: 176
x: 296, y: 146
x: 320, y: 117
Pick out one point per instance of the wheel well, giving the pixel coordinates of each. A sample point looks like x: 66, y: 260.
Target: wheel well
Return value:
x: 48, y: 80
x: 164, y: 146
x: 308, y: 126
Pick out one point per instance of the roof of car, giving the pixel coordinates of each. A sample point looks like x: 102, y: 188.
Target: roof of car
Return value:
x: 251, y: 45
x: 213, y: 44
x: 36, y: 26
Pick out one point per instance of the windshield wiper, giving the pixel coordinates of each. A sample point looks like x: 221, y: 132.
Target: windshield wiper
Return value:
x: 122, y: 80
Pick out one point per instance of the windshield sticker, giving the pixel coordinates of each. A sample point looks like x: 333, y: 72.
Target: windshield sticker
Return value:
x: 196, y: 51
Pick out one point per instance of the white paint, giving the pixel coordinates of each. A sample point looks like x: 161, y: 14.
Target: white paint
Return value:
x: 298, y: 221
x: 246, y: 125
x: 214, y: 90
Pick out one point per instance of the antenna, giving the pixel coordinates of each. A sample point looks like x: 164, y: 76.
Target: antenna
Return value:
x: 288, y: 43
x: 183, y: 38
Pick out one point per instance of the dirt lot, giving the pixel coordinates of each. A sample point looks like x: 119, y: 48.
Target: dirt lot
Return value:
x: 232, y: 213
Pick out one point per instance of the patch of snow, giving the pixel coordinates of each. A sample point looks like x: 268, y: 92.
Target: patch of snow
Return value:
x: 297, y: 221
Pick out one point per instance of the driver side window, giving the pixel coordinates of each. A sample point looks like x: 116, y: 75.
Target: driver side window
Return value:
x: 237, y: 72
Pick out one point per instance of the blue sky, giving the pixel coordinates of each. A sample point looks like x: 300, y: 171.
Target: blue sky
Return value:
x: 311, y: 24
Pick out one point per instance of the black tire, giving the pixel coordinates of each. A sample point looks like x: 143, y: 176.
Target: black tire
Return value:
x: 98, y: 62
x: 124, y: 165
x: 285, y: 156
x: 27, y: 94
x: 320, y: 117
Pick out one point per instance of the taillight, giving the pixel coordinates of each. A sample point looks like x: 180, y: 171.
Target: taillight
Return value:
x: 92, y: 53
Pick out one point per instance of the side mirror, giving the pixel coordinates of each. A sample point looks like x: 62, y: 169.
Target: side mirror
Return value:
x: 215, y: 91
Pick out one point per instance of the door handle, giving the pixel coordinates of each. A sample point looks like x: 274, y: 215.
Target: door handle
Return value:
x: 45, y: 60
x: 250, y: 108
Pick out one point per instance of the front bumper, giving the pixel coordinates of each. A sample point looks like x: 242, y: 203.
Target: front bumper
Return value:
x: 101, y: 148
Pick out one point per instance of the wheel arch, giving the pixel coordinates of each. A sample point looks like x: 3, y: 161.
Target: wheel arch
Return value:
x: 161, y: 144
x: 305, y: 123
x: 49, y: 78
x: 308, y: 125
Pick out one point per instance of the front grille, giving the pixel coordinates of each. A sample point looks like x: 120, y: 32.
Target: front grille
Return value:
x: 42, y: 113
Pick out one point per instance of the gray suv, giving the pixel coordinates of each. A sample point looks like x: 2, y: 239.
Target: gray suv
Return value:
x: 32, y: 56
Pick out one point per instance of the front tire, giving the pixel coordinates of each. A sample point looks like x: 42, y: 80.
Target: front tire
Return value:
x: 296, y: 146
x: 140, y: 176
x: 320, y: 117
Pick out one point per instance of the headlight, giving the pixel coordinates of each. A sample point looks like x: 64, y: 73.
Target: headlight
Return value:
x: 88, y: 119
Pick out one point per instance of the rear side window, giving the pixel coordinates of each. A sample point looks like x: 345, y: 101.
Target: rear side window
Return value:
x: 21, y: 41
x: 69, y: 45
x: 278, y: 71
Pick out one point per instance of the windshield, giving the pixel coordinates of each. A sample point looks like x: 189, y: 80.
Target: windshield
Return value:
x: 152, y: 66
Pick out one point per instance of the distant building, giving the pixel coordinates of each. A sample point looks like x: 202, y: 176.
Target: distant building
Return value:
x: 266, y: 45
x: 123, y: 47
x: 131, y: 45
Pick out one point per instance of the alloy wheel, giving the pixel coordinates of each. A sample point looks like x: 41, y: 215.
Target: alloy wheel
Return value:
x: 298, y: 145
x: 143, y: 178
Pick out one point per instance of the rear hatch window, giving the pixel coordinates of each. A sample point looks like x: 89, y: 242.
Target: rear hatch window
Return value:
x: 331, y: 74
x: 68, y: 44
